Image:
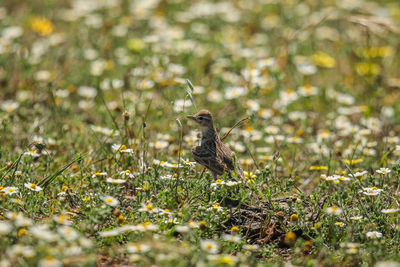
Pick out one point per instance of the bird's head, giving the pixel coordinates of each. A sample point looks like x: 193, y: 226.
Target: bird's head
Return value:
x: 203, y: 118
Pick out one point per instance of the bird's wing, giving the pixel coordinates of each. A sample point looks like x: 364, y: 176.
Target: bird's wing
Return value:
x: 226, y: 156
x: 227, y: 159
x: 206, y: 155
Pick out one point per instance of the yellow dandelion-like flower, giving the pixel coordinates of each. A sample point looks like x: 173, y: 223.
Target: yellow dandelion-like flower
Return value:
x: 318, y: 168
x: 353, y: 162
x: 322, y: 59
x: 136, y: 44
x: 42, y: 26
x: 367, y: 69
x: 235, y: 229
x: 249, y: 175
x: 375, y: 51
x: 227, y: 259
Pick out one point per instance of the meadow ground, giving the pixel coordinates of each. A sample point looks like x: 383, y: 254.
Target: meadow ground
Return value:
x: 95, y: 162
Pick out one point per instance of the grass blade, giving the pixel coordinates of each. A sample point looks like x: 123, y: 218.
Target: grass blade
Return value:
x: 46, y: 181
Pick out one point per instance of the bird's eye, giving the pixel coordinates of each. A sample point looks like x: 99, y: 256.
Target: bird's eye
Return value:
x: 200, y: 118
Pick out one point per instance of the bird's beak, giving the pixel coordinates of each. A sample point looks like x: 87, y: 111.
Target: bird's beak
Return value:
x: 191, y: 117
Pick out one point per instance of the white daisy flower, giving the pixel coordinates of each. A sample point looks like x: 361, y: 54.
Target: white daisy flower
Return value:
x: 9, y: 190
x: 32, y: 153
x: 374, y: 235
x: 182, y: 228
x: 5, y: 228
x: 99, y: 174
x: 149, y: 208
x: 209, y: 245
x: 109, y: 233
x: 231, y: 238
x: 235, y: 92
x: 61, y: 219
x: 111, y: 201
x: 9, y: 106
x: 115, y: 181
x: 383, y: 171
x: 68, y: 233
x: 371, y: 191
x: 390, y: 211
x: 137, y: 248
x: 50, y: 261
x: 334, y: 210
x: 33, y: 187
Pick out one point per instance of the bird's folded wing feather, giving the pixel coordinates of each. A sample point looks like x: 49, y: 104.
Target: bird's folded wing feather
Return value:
x: 206, y: 155
x: 226, y: 157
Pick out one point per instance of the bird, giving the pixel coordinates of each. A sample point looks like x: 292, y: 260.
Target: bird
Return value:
x: 212, y: 153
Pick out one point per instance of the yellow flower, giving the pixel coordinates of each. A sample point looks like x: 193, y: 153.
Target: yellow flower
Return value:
x: 120, y: 219
x: 235, y: 229
x: 227, y: 259
x: 375, y: 51
x: 318, y: 168
x: 322, y: 59
x: 146, y: 186
x: 42, y: 26
x: 109, y: 65
x: 353, y: 162
x: 202, y: 225
x: 367, y: 69
x: 294, y: 217
x: 290, y: 237
x: 249, y: 175
x: 317, y: 225
x: 136, y: 45
x: 17, y: 201
x: 340, y: 224
x: 22, y: 232
x: 74, y: 167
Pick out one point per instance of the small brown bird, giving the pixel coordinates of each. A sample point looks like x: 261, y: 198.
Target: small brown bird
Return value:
x: 212, y: 153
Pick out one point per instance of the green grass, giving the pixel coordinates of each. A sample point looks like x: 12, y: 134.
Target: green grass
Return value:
x: 94, y: 96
